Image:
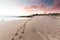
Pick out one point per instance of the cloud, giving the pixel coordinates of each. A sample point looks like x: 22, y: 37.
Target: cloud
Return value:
x: 36, y: 8
x: 44, y: 8
x: 56, y: 6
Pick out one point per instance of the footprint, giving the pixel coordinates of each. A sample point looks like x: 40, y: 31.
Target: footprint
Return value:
x: 12, y: 39
x: 19, y: 37
x: 18, y: 30
x: 21, y: 27
x: 16, y: 34
x: 22, y: 31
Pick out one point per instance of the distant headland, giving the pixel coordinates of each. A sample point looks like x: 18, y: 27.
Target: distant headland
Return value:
x: 49, y: 14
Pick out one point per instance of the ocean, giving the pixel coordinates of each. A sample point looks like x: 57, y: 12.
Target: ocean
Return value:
x: 10, y: 18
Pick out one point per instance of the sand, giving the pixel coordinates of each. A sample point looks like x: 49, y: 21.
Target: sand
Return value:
x: 8, y: 29
x: 36, y: 28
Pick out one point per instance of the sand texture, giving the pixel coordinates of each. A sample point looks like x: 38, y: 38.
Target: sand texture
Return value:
x: 36, y: 28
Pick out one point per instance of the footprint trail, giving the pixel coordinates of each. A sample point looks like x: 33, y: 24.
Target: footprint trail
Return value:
x: 20, y: 31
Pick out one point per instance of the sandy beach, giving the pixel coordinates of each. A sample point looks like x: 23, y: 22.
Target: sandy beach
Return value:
x: 36, y: 28
x: 9, y: 28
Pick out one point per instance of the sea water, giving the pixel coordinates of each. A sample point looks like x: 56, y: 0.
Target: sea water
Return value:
x: 10, y: 18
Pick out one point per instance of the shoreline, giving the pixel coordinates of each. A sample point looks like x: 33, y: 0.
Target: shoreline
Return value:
x: 36, y: 28
x: 8, y: 29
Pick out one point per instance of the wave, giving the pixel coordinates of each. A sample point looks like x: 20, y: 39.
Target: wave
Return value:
x: 10, y: 18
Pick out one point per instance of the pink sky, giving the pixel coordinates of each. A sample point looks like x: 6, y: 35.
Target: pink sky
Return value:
x: 43, y: 8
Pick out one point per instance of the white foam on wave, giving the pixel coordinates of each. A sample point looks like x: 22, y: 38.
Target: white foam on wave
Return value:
x: 10, y: 18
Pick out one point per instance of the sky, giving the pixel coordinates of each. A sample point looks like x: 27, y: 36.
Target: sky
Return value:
x: 11, y: 8
x: 26, y: 7
x: 49, y: 6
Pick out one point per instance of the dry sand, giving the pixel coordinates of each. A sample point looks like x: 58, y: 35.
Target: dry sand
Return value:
x: 8, y: 29
x: 37, y: 28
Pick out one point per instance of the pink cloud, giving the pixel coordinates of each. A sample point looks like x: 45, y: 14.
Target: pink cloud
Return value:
x: 36, y: 8
x: 43, y: 7
x: 56, y: 6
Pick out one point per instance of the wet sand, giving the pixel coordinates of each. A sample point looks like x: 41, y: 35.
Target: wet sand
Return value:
x: 37, y: 28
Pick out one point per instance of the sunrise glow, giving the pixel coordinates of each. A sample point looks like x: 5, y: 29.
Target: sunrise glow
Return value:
x: 27, y: 7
